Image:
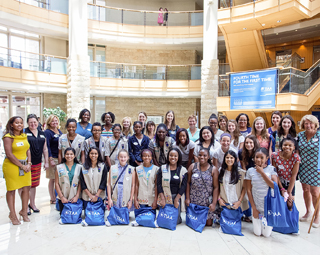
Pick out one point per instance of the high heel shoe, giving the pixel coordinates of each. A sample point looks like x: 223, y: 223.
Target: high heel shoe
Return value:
x: 14, y: 220
x: 34, y: 210
x: 24, y: 216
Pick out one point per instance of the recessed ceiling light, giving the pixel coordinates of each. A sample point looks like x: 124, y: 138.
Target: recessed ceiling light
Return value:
x: 276, y: 33
x: 296, y: 29
x: 263, y: 25
x: 279, y: 21
x: 244, y: 28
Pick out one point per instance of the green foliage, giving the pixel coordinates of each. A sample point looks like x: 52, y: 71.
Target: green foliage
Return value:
x: 56, y: 111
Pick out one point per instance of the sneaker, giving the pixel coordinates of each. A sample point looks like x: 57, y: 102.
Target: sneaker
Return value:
x: 107, y: 224
x: 84, y: 223
x: 60, y: 222
x: 134, y: 224
x: 156, y: 224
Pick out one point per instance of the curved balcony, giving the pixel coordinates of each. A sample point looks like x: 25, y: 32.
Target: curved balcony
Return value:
x: 46, y: 73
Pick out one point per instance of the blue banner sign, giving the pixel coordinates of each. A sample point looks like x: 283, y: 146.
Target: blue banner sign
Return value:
x: 253, y: 90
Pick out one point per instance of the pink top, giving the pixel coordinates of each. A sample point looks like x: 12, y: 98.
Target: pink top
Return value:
x: 284, y: 166
x: 160, y: 18
x: 264, y: 142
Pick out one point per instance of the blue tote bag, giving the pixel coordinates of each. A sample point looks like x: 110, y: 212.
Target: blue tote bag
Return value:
x: 168, y: 217
x: 145, y: 217
x: 196, y: 217
x: 71, y: 213
x: 275, y: 208
x: 118, y: 216
x: 292, y: 218
x: 95, y: 213
x: 230, y: 221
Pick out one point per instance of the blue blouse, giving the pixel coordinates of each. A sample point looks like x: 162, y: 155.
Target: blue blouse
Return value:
x: 86, y: 132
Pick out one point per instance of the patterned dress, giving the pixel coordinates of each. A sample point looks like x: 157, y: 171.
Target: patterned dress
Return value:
x: 198, y: 192
x: 309, y: 153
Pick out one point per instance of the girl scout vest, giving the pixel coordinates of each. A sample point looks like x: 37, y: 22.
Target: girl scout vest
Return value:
x: 166, y: 177
x: 90, y: 143
x: 166, y: 147
x: 77, y: 144
x: 112, y: 142
x: 127, y: 182
x: 92, y: 178
x: 68, y: 191
x: 147, y: 184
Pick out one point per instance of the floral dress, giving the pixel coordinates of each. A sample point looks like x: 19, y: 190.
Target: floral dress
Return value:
x: 199, y: 193
x: 309, y: 153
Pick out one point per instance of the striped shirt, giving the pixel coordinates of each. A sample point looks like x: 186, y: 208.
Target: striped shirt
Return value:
x: 259, y: 186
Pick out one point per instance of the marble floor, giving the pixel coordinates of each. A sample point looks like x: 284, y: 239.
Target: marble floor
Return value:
x: 43, y: 235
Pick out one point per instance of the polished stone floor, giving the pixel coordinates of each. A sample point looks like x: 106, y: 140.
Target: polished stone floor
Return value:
x: 43, y: 235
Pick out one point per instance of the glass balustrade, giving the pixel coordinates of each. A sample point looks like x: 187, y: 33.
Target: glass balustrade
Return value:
x: 31, y: 61
x: 61, y: 6
x: 144, y: 72
x: 290, y: 80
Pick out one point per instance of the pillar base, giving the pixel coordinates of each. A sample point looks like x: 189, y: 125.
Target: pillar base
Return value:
x: 209, y: 89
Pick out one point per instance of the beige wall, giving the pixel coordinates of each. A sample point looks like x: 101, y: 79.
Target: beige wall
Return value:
x: 145, y: 56
x: 55, y: 100
x: 56, y: 47
x: 182, y: 107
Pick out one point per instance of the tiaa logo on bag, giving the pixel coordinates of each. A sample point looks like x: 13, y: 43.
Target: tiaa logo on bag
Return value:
x: 230, y: 223
x: 274, y: 213
x: 146, y: 214
x: 93, y: 213
x: 191, y: 217
x: 71, y: 213
x: 118, y: 218
x: 166, y: 216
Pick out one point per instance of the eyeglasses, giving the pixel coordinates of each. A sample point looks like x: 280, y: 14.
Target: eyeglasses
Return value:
x: 96, y: 130
x: 116, y: 130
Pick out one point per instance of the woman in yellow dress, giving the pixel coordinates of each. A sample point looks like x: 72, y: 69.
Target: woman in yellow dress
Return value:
x: 17, y: 167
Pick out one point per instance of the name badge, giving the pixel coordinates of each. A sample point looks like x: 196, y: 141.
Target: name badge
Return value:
x: 127, y: 178
x: 42, y: 136
x: 56, y: 135
x: 135, y: 143
x: 176, y: 177
x: 29, y: 134
x: 85, y: 171
x: 19, y: 144
x: 281, y: 167
x: 165, y: 170
x: 64, y: 140
x: 315, y: 140
x: 195, y: 175
x: 89, y: 129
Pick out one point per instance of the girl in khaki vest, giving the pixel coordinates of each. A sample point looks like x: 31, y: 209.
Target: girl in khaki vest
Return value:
x: 121, y: 182
x: 67, y: 179
x: 172, y: 181
x: 93, y: 177
x: 145, y: 185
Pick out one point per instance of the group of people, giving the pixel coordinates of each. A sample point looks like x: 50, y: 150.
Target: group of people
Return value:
x: 163, y: 16
x: 138, y: 164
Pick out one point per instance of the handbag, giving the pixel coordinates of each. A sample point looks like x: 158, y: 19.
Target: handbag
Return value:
x: 292, y: 218
x: 196, y: 217
x: 230, y: 221
x: 210, y: 198
x: 71, y: 213
x: 275, y: 208
x: 94, y: 214
x: 118, y: 216
x: 145, y: 217
x: 168, y: 217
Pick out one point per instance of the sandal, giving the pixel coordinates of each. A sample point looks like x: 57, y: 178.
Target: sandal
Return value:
x: 246, y: 219
x: 52, y: 202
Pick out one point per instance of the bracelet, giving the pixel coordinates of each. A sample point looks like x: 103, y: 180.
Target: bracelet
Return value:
x: 282, y: 189
x: 96, y: 196
x: 29, y: 163
x: 218, y: 199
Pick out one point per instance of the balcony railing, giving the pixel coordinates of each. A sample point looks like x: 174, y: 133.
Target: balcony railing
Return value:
x: 291, y: 80
x: 32, y: 61
x: 144, y: 72
x: 61, y: 6
x: 144, y: 18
